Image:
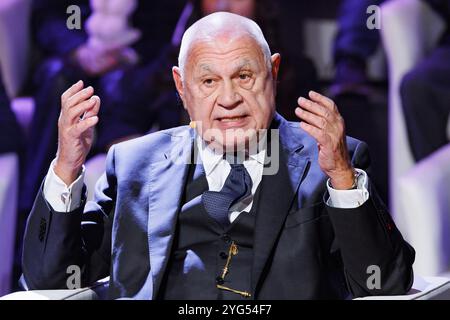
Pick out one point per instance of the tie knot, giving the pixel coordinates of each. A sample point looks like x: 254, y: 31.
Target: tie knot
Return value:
x: 238, y: 186
x: 237, y: 166
x: 234, y: 161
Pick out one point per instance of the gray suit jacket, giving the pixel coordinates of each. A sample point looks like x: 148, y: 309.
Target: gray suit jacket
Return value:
x: 303, y: 249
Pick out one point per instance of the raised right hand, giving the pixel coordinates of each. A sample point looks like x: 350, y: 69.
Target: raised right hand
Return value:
x: 79, y: 109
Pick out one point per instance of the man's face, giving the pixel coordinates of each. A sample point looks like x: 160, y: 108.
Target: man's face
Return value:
x: 228, y: 89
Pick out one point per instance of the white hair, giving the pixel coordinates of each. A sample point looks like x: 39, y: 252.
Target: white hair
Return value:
x: 218, y: 23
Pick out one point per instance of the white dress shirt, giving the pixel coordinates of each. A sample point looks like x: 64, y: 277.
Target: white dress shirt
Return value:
x: 217, y: 170
x: 61, y: 197
x: 65, y: 198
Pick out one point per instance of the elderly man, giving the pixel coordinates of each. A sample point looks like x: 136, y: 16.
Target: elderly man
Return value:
x: 225, y: 225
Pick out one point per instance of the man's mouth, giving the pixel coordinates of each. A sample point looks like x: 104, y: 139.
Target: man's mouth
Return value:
x: 231, y: 119
x: 232, y: 122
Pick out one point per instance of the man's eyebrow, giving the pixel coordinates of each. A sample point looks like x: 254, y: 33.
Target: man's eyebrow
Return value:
x: 205, y: 68
x: 244, y: 64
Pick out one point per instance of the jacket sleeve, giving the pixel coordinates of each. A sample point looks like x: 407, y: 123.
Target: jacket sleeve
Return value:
x: 54, y: 242
x: 376, y: 258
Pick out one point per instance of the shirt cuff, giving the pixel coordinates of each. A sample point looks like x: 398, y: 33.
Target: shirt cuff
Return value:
x: 61, y: 197
x: 347, y: 199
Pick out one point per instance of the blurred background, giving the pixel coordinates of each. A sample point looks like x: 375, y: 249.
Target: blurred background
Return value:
x: 385, y: 63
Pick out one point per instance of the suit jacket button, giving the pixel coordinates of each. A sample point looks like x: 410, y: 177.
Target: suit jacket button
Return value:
x: 42, y: 229
x: 226, y: 238
x: 219, y: 280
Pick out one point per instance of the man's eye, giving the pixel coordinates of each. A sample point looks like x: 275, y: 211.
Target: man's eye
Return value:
x: 244, y: 76
x: 208, y: 82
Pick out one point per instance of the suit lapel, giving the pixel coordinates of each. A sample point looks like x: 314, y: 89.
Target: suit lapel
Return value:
x: 167, y: 181
x: 276, y: 197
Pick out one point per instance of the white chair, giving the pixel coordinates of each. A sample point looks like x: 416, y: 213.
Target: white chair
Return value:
x: 9, y: 180
x: 409, y: 30
x: 9, y: 165
x: 425, y: 203
x: 14, y: 43
x: 98, y: 291
x: 428, y: 288
x: 424, y: 288
x: 319, y: 37
x: 14, y: 54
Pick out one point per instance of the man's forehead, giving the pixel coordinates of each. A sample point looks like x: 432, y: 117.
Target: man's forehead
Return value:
x: 238, y: 53
x: 239, y: 64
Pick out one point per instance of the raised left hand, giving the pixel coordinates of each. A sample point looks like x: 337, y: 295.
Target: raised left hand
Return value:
x: 322, y: 120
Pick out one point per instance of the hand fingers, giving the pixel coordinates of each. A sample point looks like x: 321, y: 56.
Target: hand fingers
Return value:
x: 71, y: 91
x: 311, y: 118
x: 74, y: 113
x: 313, y: 107
x: 79, y: 97
x: 316, y: 133
x: 84, y: 125
x: 94, y: 110
x: 321, y: 99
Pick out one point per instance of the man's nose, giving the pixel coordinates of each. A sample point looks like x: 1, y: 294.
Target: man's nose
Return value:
x: 229, y: 97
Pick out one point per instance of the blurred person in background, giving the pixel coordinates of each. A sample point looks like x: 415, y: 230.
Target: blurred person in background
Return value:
x: 425, y: 93
x: 354, y: 44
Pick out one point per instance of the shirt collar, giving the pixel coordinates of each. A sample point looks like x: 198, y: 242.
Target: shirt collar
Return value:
x: 207, y: 156
x: 210, y: 158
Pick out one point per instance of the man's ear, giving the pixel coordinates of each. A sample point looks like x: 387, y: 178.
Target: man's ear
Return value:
x: 176, y: 73
x: 276, y: 60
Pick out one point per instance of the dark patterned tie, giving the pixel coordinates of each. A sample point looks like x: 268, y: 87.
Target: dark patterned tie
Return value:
x: 237, y: 186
